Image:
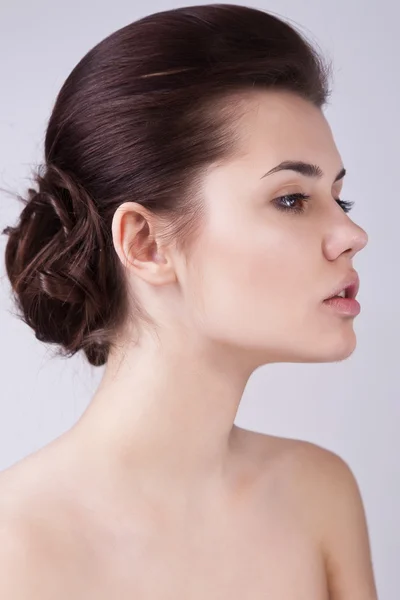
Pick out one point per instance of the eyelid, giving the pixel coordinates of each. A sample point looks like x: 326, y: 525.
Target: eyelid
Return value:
x: 299, y: 184
x: 287, y: 189
x: 300, y: 180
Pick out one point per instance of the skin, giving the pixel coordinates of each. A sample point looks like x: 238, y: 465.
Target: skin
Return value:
x: 155, y: 493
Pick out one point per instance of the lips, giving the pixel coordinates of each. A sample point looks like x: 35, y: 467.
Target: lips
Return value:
x: 351, y: 286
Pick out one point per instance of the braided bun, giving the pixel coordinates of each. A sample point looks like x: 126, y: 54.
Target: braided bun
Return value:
x: 57, y: 261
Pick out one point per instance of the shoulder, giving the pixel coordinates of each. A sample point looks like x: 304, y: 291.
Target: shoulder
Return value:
x: 318, y: 467
x: 21, y: 555
x: 34, y: 494
x: 29, y: 567
x: 340, y: 523
x: 32, y: 531
x: 315, y: 481
x: 24, y: 495
x: 326, y: 483
x: 39, y: 483
x: 316, y: 477
x: 311, y: 465
x: 304, y: 459
x: 323, y: 490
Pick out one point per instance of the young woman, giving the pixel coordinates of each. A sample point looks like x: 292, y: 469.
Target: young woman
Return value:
x: 187, y: 227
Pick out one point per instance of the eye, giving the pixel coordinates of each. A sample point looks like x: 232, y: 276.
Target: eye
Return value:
x: 295, y: 203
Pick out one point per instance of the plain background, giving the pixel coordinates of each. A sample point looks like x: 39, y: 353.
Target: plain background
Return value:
x: 351, y: 407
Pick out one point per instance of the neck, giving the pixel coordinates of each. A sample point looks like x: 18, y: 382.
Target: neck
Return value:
x: 167, y: 409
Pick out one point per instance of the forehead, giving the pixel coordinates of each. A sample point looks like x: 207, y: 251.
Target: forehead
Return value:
x: 277, y: 126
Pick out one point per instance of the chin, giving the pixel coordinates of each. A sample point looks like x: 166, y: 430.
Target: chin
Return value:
x: 339, y: 349
x: 328, y: 347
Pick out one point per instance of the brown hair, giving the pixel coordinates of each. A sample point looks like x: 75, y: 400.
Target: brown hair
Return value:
x: 139, y: 119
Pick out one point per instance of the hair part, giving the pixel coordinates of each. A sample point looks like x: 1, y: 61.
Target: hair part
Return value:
x: 140, y: 118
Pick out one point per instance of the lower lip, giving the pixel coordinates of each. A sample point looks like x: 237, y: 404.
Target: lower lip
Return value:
x: 345, y: 306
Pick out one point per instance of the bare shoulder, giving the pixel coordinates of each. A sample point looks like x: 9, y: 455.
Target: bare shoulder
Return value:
x: 322, y: 478
x: 314, y: 476
x: 323, y: 488
x: 311, y: 464
x: 38, y: 491
x: 30, y: 565
x: 34, y: 537
x: 35, y: 485
x: 20, y: 558
x: 20, y: 540
x: 25, y: 484
x: 25, y: 492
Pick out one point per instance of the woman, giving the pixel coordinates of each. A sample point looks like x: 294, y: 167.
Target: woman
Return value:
x: 186, y: 228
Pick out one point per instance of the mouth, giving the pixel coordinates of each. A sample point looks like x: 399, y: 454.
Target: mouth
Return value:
x: 347, y: 289
x: 343, y: 299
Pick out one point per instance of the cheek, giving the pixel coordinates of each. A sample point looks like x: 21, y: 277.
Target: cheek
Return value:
x: 250, y: 282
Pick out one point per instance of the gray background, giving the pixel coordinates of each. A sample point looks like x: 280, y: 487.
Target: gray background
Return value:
x: 352, y: 407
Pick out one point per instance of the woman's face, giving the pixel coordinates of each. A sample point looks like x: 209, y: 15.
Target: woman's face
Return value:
x: 263, y: 266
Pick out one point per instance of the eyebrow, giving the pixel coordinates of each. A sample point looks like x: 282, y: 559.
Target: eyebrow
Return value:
x: 307, y: 169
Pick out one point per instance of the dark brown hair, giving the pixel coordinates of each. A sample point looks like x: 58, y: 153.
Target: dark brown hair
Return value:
x: 139, y: 118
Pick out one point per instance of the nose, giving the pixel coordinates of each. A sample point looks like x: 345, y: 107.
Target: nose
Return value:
x: 345, y: 237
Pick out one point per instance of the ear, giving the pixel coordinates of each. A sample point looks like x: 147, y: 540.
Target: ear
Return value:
x: 135, y: 241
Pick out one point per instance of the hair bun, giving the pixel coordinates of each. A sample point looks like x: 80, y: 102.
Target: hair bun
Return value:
x: 56, y: 267
x: 147, y: 129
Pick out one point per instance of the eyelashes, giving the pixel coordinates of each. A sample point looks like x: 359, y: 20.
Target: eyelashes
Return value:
x: 287, y: 202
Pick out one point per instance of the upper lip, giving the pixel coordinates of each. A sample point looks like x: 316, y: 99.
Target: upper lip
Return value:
x: 351, y: 285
